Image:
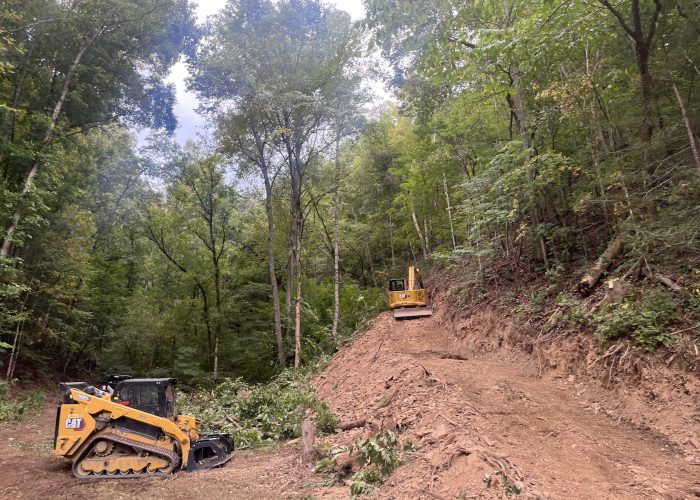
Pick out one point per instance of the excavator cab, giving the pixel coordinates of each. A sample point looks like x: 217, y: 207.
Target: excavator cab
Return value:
x: 152, y: 395
x: 409, y: 300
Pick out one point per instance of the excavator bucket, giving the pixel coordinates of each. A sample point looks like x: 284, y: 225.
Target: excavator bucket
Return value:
x: 210, y: 450
x: 412, y: 312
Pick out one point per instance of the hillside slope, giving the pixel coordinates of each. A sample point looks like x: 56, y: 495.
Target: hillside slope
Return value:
x: 475, y: 413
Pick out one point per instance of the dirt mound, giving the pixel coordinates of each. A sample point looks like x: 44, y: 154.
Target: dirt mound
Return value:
x: 486, y: 424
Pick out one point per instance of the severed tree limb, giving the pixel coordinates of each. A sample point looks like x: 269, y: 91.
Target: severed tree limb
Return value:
x: 346, y: 426
x: 589, y: 280
x: 665, y: 280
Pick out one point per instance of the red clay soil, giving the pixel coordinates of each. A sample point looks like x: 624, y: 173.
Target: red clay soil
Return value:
x: 486, y: 420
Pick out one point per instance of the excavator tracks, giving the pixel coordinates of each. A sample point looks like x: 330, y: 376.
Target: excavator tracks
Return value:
x: 155, y: 461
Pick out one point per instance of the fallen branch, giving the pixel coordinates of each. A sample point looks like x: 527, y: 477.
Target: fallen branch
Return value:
x: 346, y: 426
x: 669, y: 283
x: 632, y: 269
x: 608, y: 353
x: 434, y: 495
x: 374, y: 358
x: 661, y: 278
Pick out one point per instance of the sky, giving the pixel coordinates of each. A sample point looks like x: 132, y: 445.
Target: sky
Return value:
x: 190, y: 123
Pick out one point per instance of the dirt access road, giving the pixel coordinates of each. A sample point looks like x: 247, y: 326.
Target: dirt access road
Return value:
x: 484, y: 425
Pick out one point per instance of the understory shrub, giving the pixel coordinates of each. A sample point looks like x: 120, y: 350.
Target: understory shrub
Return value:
x: 646, y: 320
x: 13, y: 409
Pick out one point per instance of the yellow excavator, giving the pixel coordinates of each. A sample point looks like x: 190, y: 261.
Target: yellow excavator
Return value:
x: 132, y: 430
x: 407, y: 300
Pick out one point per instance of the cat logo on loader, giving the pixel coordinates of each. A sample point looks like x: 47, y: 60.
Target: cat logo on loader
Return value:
x: 406, y: 300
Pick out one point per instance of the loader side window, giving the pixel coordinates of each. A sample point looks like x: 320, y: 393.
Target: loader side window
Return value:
x: 143, y: 397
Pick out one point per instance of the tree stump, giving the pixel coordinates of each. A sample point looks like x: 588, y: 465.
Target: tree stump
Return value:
x: 614, y: 291
x: 308, y: 434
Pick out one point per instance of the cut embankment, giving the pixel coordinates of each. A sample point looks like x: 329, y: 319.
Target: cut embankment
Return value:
x: 486, y: 422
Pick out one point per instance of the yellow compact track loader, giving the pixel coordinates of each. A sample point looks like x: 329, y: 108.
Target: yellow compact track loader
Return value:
x: 132, y: 430
x: 406, y: 299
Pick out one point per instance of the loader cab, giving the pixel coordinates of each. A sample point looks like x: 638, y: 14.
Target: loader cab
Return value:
x: 151, y: 395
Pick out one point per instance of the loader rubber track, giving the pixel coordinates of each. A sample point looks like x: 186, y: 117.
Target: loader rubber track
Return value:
x: 173, y: 457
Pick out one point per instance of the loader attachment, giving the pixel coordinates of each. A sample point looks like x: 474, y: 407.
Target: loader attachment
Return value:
x: 210, y: 450
x: 412, y: 312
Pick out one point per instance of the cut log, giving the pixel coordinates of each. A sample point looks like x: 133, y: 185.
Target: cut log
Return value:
x: 308, y: 434
x: 346, y: 426
x: 590, y: 279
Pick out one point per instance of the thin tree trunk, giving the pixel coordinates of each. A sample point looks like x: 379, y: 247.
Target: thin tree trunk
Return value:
x: 207, y: 321
x: 426, y: 234
x: 217, y: 332
x: 297, y: 303
x: 290, y: 280
x: 688, y: 128
x: 391, y: 244
x: 420, y: 234
x: 296, y: 238
x: 48, y: 135
x: 371, y: 264
x: 449, y: 211
x: 336, y: 247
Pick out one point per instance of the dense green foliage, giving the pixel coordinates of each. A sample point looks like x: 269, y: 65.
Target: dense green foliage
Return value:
x: 526, y: 136
x: 255, y: 414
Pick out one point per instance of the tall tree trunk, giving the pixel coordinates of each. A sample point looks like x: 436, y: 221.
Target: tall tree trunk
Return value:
x: 271, y: 268
x: 48, y: 135
x: 297, y: 302
x: 449, y: 211
x: 647, y: 126
x: 336, y: 247
x: 521, y: 123
x: 688, y: 128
